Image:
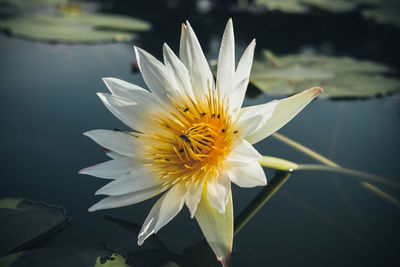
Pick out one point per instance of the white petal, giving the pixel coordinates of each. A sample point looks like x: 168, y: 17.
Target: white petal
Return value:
x: 226, y: 60
x: 283, y: 113
x: 253, y: 117
x: 193, y: 195
x: 217, y: 228
x: 114, y: 155
x: 166, y: 208
x: 155, y: 75
x: 182, y: 45
x: 127, y: 199
x: 112, y: 169
x: 176, y: 68
x: 127, y: 90
x: 241, y: 78
x: 242, y: 154
x: 196, y: 63
x: 248, y: 176
x: 134, y: 115
x: 136, y: 180
x: 117, y: 141
x: 218, y: 191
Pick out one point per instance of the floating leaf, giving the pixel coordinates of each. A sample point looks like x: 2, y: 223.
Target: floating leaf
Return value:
x: 290, y: 6
x: 85, y: 27
x: 382, y: 11
x: 22, y: 221
x: 91, y: 255
x: 340, y: 77
x: 27, y: 4
x: 383, y: 15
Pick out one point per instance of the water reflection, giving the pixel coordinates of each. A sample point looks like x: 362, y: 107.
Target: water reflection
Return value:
x: 199, y: 253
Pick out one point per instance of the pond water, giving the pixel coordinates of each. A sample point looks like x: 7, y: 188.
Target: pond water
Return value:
x: 49, y: 99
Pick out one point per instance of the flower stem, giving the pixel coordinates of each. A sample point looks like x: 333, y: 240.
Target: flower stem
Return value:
x: 259, y: 201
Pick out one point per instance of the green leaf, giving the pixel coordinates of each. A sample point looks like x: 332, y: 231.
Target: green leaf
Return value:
x: 115, y: 260
x: 23, y: 222
x: 382, y: 11
x: 340, y: 77
x: 26, y: 4
x: 81, y: 28
x: 86, y: 255
x: 385, y: 15
x: 9, y: 203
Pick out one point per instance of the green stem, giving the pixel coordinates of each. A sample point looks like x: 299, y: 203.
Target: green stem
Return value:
x: 259, y: 201
x: 285, y: 165
x: 305, y: 150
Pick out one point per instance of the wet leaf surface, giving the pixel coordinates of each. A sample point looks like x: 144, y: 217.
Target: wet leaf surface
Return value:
x: 81, y: 28
x: 340, y: 77
x: 87, y: 255
x: 23, y: 221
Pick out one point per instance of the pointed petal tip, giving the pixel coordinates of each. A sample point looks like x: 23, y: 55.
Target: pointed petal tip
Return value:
x: 225, y: 261
x: 316, y: 90
x: 87, y: 133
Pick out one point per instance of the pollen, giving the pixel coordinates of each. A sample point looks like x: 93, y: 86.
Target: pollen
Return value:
x: 193, y: 139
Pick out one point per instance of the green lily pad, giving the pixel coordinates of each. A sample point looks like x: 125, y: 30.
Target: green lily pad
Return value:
x: 382, y: 11
x: 91, y: 255
x: 81, y: 28
x: 305, y: 6
x: 23, y: 221
x: 288, y: 6
x: 383, y: 15
x: 340, y: 77
x: 27, y: 4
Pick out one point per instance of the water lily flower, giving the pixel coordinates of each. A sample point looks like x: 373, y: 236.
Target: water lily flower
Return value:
x: 191, y: 137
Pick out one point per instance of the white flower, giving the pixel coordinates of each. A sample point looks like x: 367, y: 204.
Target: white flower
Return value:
x: 191, y: 138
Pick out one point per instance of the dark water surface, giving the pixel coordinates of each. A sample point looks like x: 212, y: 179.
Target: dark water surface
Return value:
x: 48, y: 95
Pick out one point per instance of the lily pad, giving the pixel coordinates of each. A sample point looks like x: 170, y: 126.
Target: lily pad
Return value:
x: 27, y: 4
x: 382, y: 11
x: 23, y: 221
x: 81, y: 28
x: 91, y: 255
x: 340, y: 77
x: 383, y: 15
x: 305, y: 6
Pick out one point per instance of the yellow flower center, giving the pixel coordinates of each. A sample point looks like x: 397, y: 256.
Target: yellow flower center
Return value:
x: 194, y: 139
